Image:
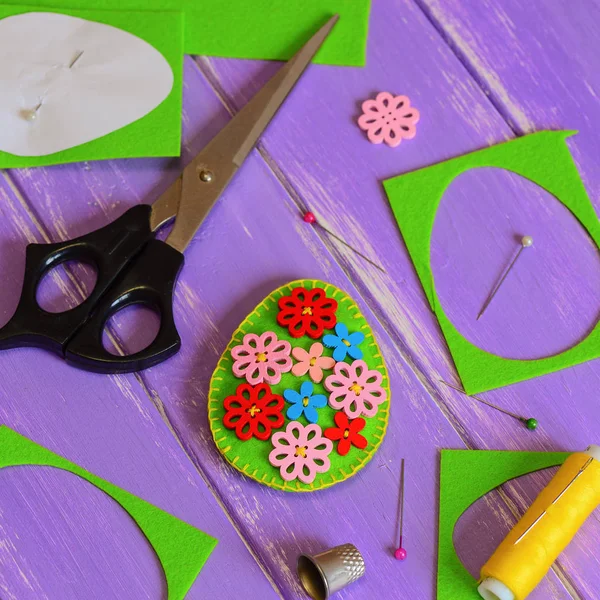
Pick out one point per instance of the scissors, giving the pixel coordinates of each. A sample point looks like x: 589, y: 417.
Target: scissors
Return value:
x: 133, y: 267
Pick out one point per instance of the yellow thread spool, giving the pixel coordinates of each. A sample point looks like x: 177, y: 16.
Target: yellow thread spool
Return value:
x: 518, y: 565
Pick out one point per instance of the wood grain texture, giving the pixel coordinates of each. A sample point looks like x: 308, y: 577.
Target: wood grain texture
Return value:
x: 448, y: 102
x: 109, y: 426
x: 536, y: 62
x: 128, y: 429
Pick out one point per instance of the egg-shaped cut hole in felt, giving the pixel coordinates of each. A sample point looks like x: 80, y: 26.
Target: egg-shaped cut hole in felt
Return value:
x: 135, y: 326
x: 67, y: 81
x: 64, y: 538
x: 66, y: 286
x: 549, y: 302
x: 484, y: 525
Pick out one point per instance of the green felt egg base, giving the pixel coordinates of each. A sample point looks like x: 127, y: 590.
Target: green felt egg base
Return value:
x: 252, y: 457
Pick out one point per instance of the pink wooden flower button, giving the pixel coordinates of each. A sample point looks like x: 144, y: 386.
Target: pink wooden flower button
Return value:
x: 300, y: 452
x: 262, y: 358
x: 312, y: 362
x: 389, y: 119
x: 355, y: 389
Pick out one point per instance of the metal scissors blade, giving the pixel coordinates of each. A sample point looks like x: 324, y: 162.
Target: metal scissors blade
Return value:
x: 192, y: 196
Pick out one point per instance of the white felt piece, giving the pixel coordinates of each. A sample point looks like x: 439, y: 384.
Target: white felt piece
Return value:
x: 117, y: 80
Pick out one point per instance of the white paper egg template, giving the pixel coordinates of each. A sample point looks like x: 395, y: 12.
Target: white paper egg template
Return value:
x: 65, y: 81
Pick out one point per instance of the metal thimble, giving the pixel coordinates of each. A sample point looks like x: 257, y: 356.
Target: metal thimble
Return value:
x: 327, y: 573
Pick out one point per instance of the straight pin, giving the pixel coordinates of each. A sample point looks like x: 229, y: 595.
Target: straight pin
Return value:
x: 579, y: 474
x: 31, y: 115
x: 400, y: 553
x: 79, y: 55
x: 526, y: 242
x: 530, y: 423
x: 310, y: 218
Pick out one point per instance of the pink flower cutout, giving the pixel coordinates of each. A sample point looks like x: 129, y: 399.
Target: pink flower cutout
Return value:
x: 300, y: 452
x: 262, y: 359
x: 312, y: 362
x: 389, y: 119
x: 355, y: 390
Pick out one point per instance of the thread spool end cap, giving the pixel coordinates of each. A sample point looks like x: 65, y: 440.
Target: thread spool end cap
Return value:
x: 492, y: 589
x: 593, y: 451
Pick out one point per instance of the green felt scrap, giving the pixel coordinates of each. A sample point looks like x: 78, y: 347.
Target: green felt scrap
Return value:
x: 268, y: 29
x: 466, y: 476
x: 181, y: 548
x: 543, y: 158
x: 156, y: 134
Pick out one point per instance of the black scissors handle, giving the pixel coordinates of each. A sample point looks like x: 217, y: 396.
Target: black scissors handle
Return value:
x: 120, y: 252
x: 149, y: 281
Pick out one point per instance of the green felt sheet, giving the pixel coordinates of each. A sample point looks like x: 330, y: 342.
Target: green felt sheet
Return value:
x: 156, y: 134
x: 252, y: 457
x: 181, y: 548
x: 544, y: 159
x: 268, y: 29
x: 466, y: 476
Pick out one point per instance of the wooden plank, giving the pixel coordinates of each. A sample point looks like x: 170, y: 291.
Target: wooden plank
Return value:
x: 325, y: 163
x: 61, y: 538
x: 536, y: 61
x: 234, y: 248
x: 208, y: 312
x: 318, y: 144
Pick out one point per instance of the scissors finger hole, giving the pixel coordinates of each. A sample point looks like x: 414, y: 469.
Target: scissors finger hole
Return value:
x: 66, y: 286
x: 131, y: 330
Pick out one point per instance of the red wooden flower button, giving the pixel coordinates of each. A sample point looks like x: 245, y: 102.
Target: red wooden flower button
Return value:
x: 347, y: 432
x: 307, y: 312
x: 254, y: 411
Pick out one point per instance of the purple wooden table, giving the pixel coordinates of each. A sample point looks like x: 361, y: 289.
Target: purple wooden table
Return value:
x: 480, y: 72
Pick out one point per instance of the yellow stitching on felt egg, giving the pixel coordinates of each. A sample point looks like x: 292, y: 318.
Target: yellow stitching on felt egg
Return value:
x: 234, y: 461
x: 226, y: 450
x: 221, y: 439
x: 227, y: 360
x: 217, y: 430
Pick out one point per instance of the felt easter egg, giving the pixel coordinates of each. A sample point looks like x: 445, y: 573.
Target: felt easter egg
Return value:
x: 299, y: 400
